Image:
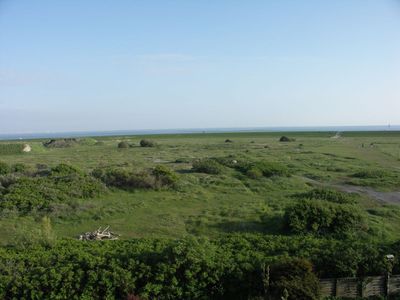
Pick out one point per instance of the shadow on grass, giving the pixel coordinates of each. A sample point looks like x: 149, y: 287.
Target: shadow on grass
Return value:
x: 268, y: 225
x: 185, y: 171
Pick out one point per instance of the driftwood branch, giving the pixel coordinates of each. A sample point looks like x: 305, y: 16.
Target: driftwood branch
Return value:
x: 99, y: 235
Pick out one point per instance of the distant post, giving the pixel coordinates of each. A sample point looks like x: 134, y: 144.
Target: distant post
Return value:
x: 389, y: 260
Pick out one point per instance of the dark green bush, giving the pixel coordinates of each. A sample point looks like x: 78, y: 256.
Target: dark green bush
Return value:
x: 296, y: 276
x: 267, y: 169
x: 160, y: 176
x: 123, y: 145
x: 61, y: 143
x: 124, y: 179
x: 192, y: 268
x: 228, y: 161
x: 19, y: 168
x: 328, y: 195
x: 4, y: 168
x: 61, y: 183
x: 254, y: 173
x: 286, y: 139
x: 320, y: 217
x: 147, y: 143
x: 7, y: 180
x: 164, y: 176
x: 208, y: 166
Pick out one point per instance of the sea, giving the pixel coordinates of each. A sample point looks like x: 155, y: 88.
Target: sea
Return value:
x: 76, y: 134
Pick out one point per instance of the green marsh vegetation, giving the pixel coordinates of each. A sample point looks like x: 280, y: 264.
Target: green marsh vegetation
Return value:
x: 199, y: 217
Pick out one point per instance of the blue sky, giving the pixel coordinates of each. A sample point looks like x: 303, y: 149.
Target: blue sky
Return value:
x: 109, y: 65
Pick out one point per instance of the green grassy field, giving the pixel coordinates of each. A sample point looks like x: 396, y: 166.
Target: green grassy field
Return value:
x: 215, y: 205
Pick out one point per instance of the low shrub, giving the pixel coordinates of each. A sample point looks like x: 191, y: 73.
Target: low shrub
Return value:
x: 267, y: 169
x: 4, y: 168
x: 321, y: 217
x: 164, y: 176
x: 61, y: 143
x: 123, y: 145
x: 57, y: 184
x: 19, y: 168
x: 147, y: 143
x: 160, y: 176
x: 286, y: 139
x: 328, y: 195
x: 228, y: 161
x: 7, y: 180
x: 254, y: 173
x: 208, y: 166
x: 124, y: 179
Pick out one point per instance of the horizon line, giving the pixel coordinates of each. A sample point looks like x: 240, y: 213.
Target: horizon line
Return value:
x: 121, y: 132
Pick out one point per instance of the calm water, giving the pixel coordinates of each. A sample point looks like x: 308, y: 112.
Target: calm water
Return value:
x: 24, y: 136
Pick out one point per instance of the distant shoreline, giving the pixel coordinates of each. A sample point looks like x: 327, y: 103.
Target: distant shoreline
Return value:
x: 77, y: 134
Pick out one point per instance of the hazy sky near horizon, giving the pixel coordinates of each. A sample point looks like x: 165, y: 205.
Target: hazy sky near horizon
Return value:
x: 108, y: 65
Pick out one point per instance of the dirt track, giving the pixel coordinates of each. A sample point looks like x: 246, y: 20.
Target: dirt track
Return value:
x: 386, y: 197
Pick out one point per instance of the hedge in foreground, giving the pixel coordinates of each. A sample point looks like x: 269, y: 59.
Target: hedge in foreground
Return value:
x: 233, y: 267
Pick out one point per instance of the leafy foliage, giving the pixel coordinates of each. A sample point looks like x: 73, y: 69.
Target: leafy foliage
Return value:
x: 123, y: 145
x: 208, y: 166
x: 296, y: 276
x: 124, y: 179
x: 328, y: 195
x: 160, y: 176
x: 58, y: 184
x: 4, y: 168
x: 147, y: 143
x: 320, y: 217
x: 286, y: 139
x: 191, y: 268
x: 19, y: 168
x: 164, y: 176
